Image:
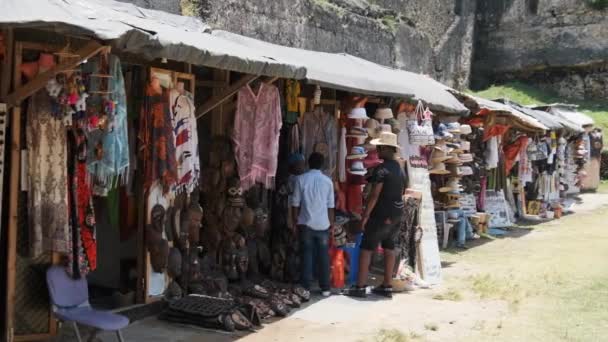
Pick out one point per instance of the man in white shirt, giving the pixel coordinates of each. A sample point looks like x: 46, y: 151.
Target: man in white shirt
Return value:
x: 313, y: 205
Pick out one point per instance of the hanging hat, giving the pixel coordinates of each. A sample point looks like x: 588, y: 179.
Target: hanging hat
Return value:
x: 372, y: 159
x: 395, y: 125
x: 357, y: 152
x: 453, y: 127
x: 358, y: 113
x: 453, y: 204
x: 439, y: 169
x: 383, y: 114
x: 372, y: 126
x: 455, y: 170
x: 465, y: 145
x: 357, y: 132
x: 357, y: 168
x: 453, y: 159
x: 454, y: 147
x: 466, y: 129
x: 466, y: 170
x: 466, y: 158
x: 385, y: 128
x: 441, y: 132
x: 386, y: 139
x: 454, y: 184
x: 439, y: 155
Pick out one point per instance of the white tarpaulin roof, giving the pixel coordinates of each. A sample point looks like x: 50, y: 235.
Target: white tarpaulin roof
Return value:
x: 350, y: 73
x: 568, y: 112
x: 152, y: 34
x: 551, y: 121
x: 156, y: 34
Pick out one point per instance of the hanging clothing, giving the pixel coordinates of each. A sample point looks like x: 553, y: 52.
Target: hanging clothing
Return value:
x: 82, y: 258
x: 257, y: 124
x: 157, y: 140
x: 320, y: 133
x: 512, y: 151
x: 292, y: 94
x: 113, y: 163
x: 410, y: 230
x: 342, y: 152
x: 183, y: 118
x: 46, y: 178
x: 491, y: 153
x: 294, y: 139
x: 525, y: 165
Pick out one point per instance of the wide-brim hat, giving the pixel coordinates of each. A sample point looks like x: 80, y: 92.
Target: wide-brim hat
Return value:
x: 383, y: 114
x: 453, y: 160
x: 357, y: 152
x: 372, y: 126
x: 453, y: 127
x: 357, y: 132
x: 358, y: 113
x: 453, y: 204
x: 358, y: 168
x: 372, y: 160
x: 439, y: 169
x: 466, y: 129
x: 386, y: 139
x: 466, y: 158
x: 465, y: 145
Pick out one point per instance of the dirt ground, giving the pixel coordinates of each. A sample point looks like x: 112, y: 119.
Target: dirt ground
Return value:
x: 547, y: 282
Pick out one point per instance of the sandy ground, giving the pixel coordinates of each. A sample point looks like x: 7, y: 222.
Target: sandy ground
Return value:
x: 548, y: 282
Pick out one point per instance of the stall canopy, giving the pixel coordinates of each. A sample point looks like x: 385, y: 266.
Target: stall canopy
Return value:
x: 148, y: 33
x: 569, y: 113
x: 552, y: 122
x: 350, y: 73
x: 156, y: 34
x: 520, y: 120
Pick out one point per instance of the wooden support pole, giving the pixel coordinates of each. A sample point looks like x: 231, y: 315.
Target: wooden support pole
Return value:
x: 89, y: 50
x: 217, y: 100
x: 7, y: 65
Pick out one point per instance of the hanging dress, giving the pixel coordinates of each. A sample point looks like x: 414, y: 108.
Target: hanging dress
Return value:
x: 46, y: 178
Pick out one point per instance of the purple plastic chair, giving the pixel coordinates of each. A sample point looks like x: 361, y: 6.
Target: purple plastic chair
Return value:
x: 70, y: 300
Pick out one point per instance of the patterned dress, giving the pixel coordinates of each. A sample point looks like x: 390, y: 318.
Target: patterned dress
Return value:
x: 46, y: 178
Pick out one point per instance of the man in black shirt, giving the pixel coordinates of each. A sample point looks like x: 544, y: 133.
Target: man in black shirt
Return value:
x: 382, y: 217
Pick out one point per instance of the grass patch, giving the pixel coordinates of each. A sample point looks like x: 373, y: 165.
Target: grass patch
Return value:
x: 527, y: 95
x: 394, y: 335
x: 431, y: 326
x: 488, y: 287
x: 451, y: 294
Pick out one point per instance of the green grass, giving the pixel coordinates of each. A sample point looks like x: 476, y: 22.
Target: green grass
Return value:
x: 528, y: 95
x: 451, y: 294
x: 394, y: 335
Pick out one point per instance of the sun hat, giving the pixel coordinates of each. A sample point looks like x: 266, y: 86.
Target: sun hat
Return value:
x: 357, y: 152
x: 357, y: 168
x: 439, y: 169
x: 465, y: 145
x: 386, y: 139
x: 453, y: 127
x: 372, y: 126
x: 466, y: 170
x: 385, y: 128
x: 453, y: 159
x: 372, y: 159
x: 454, y: 147
x: 455, y: 170
x: 358, y: 113
x: 439, y: 155
x: 383, y: 114
x: 466, y: 158
x: 441, y: 132
x: 466, y: 129
x: 357, y: 132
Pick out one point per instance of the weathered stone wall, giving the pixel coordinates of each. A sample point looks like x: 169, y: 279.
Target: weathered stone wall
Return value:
x: 561, y: 45
x: 426, y: 36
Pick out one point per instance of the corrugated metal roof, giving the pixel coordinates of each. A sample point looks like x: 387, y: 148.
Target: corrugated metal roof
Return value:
x: 568, y: 112
x: 551, y: 121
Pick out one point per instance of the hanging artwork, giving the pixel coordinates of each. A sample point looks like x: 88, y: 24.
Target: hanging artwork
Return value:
x: 498, y: 208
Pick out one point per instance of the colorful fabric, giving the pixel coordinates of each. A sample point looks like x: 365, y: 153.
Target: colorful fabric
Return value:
x: 342, y: 152
x: 157, y: 140
x: 183, y: 117
x: 292, y: 90
x: 83, y: 255
x: 257, y: 124
x: 46, y: 178
x: 512, y: 151
x: 320, y: 128
x: 113, y: 164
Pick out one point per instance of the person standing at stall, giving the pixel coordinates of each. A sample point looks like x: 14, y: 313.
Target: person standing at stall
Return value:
x: 382, y: 217
x: 313, y: 207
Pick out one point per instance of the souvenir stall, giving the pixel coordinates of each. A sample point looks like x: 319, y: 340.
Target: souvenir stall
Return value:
x: 503, y: 136
x: 587, y: 176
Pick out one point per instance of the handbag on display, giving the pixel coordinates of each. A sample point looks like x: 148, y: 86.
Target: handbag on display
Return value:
x: 420, y: 127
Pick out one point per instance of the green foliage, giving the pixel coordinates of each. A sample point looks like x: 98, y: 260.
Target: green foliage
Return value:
x: 598, y: 4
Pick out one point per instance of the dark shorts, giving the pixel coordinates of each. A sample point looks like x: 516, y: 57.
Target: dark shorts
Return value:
x: 377, y: 232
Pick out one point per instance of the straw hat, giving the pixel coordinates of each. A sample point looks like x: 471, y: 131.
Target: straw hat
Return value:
x: 383, y: 114
x: 439, y: 169
x: 386, y: 139
x: 439, y: 155
x: 466, y: 158
x: 372, y: 126
x: 465, y: 145
x: 357, y: 132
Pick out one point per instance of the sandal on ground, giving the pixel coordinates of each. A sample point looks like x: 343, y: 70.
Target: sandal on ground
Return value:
x: 355, y: 291
x: 385, y: 291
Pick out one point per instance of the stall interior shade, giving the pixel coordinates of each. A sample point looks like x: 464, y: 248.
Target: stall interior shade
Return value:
x: 31, y: 294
